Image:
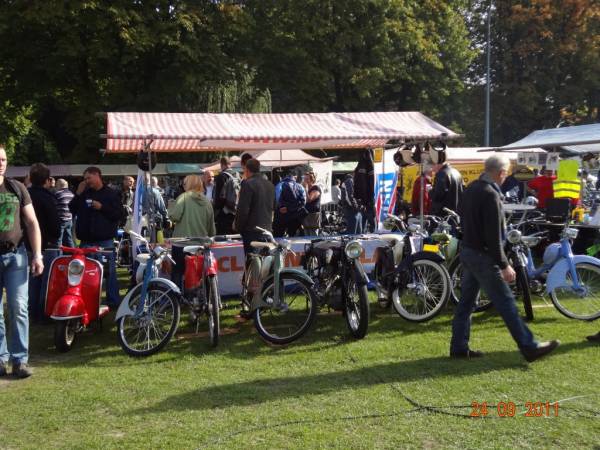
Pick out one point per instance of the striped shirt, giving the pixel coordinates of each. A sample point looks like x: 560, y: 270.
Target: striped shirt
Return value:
x: 63, y: 197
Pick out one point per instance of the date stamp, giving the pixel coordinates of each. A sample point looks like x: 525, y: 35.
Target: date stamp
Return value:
x: 509, y: 409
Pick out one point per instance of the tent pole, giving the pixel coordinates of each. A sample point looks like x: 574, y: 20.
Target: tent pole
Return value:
x: 421, y: 195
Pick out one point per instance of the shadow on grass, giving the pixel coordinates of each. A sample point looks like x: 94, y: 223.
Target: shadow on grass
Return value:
x: 252, y: 393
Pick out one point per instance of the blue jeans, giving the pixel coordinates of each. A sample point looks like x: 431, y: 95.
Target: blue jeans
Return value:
x: 66, y: 234
x: 13, y: 278
x: 113, y: 299
x: 38, y: 285
x: 480, y: 271
x: 353, y: 221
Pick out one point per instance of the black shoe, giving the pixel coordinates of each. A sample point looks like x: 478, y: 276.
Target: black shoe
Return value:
x: 20, y: 370
x: 467, y: 354
x: 594, y: 337
x: 542, y: 349
x: 3, y: 369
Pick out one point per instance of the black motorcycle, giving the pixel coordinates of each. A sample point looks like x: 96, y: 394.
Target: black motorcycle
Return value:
x: 340, y: 279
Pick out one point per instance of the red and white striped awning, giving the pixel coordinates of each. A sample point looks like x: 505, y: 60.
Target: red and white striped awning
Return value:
x: 179, y: 132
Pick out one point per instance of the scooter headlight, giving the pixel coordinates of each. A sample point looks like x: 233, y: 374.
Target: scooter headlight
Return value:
x: 353, y: 249
x: 513, y: 236
x: 75, y: 271
x: 571, y: 233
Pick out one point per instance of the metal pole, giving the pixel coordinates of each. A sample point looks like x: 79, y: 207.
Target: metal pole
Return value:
x: 421, y: 199
x: 488, y: 81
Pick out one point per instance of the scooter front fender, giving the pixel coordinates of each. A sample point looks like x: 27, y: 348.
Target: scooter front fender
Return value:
x: 557, y: 277
x: 125, y: 310
x: 68, y: 307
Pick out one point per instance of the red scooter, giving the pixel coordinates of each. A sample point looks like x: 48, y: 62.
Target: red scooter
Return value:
x: 73, y: 294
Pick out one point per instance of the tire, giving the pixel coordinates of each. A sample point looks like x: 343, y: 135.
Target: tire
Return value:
x: 570, y: 304
x: 356, y: 308
x: 282, y: 326
x: 214, y: 326
x: 428, y: 297
x: 482, y: 303
x: 161, y: 319
x: 65, y: 332
x: 523, y: 288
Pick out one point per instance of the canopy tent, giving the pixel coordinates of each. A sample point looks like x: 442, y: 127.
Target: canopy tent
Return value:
x: 271, y: 159
x: 196, y: 132
x: 573, y: 139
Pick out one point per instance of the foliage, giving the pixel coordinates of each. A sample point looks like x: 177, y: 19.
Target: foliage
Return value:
x: 545, y: 64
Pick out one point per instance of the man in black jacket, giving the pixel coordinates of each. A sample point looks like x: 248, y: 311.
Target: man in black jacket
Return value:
x: 255, y: 205
x: 98, y: 211
x: 447, y: 189
x: 485, y: 266
x: 46, y: 211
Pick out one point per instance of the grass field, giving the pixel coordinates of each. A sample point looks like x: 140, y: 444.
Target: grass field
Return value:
x: 394, y: 389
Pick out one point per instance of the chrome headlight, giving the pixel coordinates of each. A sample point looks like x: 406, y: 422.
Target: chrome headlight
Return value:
x: 571, y: 233
x: 513, y: 236
x: 285, y: 244
x: 353, y: 249
x: 75, y: 272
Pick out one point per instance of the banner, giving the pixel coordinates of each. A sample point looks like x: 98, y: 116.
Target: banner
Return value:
x: 469, y: 172
x: 323, y: 173
x: 386, y: 180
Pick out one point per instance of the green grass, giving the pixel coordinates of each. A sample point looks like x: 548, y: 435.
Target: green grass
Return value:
x: 325, y: 391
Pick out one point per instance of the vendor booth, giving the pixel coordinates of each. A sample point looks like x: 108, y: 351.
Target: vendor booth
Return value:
x: 282, y: 134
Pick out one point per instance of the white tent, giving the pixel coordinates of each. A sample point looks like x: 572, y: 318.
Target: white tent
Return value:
x: 575, y: 139
x: 271, y: 159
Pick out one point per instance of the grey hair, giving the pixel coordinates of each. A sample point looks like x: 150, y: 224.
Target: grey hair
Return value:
x: 496, y: 163
x: 61, y: 183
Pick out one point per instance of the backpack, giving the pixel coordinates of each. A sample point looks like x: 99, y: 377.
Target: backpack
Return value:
x: 230, y: 193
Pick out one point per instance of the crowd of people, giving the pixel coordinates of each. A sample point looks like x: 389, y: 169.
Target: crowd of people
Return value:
x: 36, y: 220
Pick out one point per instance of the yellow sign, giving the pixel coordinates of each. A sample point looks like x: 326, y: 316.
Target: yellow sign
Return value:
x: 378, y: 155
x: 469, y: 172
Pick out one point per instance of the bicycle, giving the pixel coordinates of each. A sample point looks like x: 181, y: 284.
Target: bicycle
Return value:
x: 282, y: 300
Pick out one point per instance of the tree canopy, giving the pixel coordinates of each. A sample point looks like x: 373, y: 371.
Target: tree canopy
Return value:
x: 61, y: 62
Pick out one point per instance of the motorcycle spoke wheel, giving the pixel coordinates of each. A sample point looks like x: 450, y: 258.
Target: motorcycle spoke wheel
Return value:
x: 288, y: 321
x: 429, y: 295
x: 357, y: 309
x: 576, y: 305
x: 154, y: 328
x: 213, y: 311
x: 482, y: 302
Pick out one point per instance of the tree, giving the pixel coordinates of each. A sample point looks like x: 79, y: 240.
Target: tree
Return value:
x: 350, y: 55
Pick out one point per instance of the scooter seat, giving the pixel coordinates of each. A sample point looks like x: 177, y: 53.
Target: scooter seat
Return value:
x: 192, y: 249
x: 531, y: 241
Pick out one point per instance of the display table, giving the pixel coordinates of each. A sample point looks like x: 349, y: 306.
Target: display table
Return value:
x: 230, y: 259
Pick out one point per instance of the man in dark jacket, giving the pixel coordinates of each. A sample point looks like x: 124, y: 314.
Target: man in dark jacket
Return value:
x: 98, y: 211
x: 350, y: 207
x: 255, y: 206
x: 485, y: 266
x: 447, y: 189
x: 224, y: 214
x: 46, y: 211
x: 290, y: 198
x: 364, y: 189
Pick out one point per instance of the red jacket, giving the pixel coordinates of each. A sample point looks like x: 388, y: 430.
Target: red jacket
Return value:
x: 416, y: 197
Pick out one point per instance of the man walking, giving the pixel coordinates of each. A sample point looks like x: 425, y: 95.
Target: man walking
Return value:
x: 350, y: 207
x: 98, y: 210
x: 485, y: 265
x: 15, y: 205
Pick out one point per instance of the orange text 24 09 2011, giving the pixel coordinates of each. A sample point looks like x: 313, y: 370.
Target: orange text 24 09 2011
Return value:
x: 509, y: 409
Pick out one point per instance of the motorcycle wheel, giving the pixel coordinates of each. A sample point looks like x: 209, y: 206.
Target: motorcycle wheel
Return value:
x: 148, y: 334
x: 434, y: 284
x: 65, y: 332
x: 283, y: 325
x: 482, y: 303
x: 571, y: 304
x: 214, y: 326
x: 356, y: 309
x: 523, y: 287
